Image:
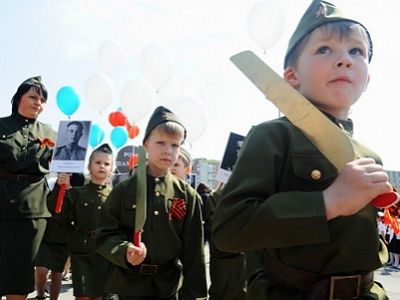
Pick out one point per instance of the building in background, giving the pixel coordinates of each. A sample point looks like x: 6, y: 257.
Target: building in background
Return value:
x: 205, y: 170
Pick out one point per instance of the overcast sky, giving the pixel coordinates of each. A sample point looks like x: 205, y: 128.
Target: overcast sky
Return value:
x: 60, y: 40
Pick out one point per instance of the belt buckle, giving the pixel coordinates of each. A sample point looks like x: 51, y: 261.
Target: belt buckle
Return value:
x: 333, y: 281
x: 22, y: 178
x: 148, y: 269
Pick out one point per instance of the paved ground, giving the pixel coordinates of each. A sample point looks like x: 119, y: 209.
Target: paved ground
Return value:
x: 388, y: 276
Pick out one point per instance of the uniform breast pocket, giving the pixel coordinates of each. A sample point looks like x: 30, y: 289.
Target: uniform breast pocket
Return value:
x: 312, y: 170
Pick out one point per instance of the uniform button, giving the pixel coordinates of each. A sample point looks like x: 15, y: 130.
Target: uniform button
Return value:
x: 157, y: 194
x: 134, y: 206
x: 99, y: 207
x: 4, y: 136
x: 26, y: 126
x: 23, y: 148
x: 156, y: 212
x: 157, y: 179
x: 85, y: 204
x: 26, y: 120
x: 25, y: 136
x: 316, y: 174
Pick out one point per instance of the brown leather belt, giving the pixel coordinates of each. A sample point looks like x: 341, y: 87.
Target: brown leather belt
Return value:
x: 315, y: 287
x: 20, y: 177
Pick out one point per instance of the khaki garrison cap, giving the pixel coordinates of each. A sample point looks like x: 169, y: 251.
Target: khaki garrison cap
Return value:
x: 320, y: 13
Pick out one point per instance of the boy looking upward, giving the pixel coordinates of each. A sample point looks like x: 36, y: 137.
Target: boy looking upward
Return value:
x: 315, y: 225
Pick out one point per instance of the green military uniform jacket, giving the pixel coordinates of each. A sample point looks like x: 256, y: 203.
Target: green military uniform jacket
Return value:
x: 82, y: 207
x: 273, y: 201
x: 173, y: 242
x: 21, y: 153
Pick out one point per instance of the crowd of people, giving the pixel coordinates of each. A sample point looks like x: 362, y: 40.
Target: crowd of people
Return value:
x: 286, y: 225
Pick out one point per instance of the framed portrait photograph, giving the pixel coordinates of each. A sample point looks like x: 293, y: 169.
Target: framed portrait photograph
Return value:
x: 71, y: 147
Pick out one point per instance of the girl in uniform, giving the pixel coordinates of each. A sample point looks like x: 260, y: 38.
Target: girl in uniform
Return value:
x: 83, y: 205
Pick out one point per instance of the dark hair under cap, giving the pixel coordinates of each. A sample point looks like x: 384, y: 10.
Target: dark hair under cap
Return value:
x: 162, y: 115
x: 319, y: 13
x: 33, y: 82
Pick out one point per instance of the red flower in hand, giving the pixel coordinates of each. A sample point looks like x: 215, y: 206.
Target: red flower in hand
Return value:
x: 45, y: 142
x: 177, y: 210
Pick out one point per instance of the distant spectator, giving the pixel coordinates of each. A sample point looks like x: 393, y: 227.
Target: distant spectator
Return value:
x: 204, y: 191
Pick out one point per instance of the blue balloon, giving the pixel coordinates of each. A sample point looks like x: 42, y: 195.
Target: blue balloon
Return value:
x: 96, y: 135
x: 67, y: 100
x: 119, y: 136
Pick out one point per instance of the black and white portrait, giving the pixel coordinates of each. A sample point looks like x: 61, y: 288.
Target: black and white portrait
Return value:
x: 72, y: 140
x: 71, y: 147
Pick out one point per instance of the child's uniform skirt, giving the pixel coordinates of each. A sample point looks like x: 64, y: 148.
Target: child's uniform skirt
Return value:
x: 54, y: 249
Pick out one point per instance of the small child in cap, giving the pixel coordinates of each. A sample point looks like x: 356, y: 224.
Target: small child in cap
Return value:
x: 183, y: 166
x: 171, y: 255
x: 82, y: 207
x: 315, y: 225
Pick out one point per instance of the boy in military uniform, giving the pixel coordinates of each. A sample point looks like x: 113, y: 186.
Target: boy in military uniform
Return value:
x: 314, y: 224
x: 171, y: 255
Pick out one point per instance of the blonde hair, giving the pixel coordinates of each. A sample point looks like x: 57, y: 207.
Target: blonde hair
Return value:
x: 172, y: 129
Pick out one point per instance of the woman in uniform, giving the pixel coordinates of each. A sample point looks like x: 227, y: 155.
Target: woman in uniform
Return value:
x: 25, y: 151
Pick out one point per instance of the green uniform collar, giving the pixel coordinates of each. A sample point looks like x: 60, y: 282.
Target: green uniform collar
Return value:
x: 23, y: 120
x: 346, y: 125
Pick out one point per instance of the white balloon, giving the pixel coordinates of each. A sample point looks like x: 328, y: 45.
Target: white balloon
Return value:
x: 99, y: 91
x: 135, y: 99
x: 111, y: 57
x: 155, y: 66
x: 191, y: 86
x: 193, y: 116
x: 265, y: 24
